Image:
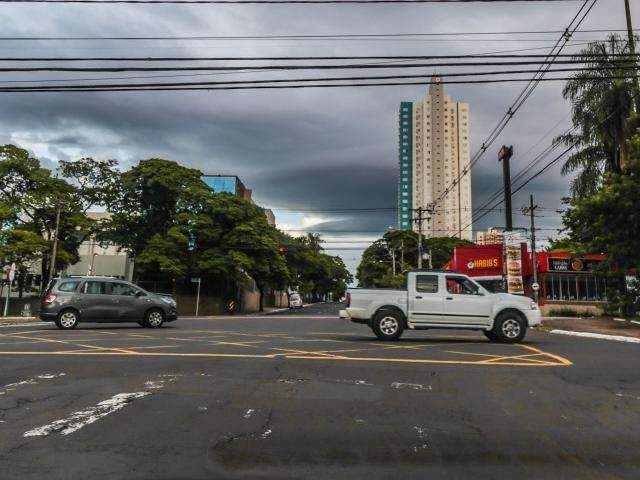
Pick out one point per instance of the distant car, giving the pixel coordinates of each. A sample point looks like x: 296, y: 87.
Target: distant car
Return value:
x: 295, y: 301
x: 70, y: 300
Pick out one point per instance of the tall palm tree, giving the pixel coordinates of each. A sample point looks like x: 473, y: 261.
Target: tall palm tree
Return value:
x: 601, y: 106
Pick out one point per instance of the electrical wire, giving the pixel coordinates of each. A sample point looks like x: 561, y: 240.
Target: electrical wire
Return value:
x: 336, y: 36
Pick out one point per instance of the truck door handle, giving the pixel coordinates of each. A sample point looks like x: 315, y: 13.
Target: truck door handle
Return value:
x: 448, y: 298
x: 418, y: 296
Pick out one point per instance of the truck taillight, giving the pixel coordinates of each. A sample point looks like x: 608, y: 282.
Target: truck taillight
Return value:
x: 50, y: 298
x: 348, y: 299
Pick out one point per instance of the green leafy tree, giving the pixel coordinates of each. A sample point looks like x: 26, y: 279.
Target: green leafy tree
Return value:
x: 29, y: 199
x: 609, y: 220
x: 601, y: 105
x: 152, y: 195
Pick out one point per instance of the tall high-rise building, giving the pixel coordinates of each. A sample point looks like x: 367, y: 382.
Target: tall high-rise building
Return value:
x: 434, y: 151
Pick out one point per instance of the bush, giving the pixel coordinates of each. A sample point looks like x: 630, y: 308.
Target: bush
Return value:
x: 569, y: 312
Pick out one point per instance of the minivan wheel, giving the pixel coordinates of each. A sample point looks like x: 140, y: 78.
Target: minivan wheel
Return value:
x: 154, y: 318
x: 509, y: 328
x: 67, y: 320
x: 388, y: 325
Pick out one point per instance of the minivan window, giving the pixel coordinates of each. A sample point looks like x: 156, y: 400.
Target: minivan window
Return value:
x: 122, y: 289
x: 68, y: 286
x: 427, y: 283
x: 95, y: 288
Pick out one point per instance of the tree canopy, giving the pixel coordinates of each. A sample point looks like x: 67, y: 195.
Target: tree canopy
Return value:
x: 376, y: 267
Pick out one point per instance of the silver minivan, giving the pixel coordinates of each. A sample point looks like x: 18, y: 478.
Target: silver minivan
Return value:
x: 68, y: 301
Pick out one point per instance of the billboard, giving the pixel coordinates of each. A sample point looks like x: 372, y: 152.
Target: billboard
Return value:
x: 513, y: 256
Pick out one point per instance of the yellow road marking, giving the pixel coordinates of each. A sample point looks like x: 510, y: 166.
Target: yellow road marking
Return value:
x: 24, y: 331
x: 48, y: 340
x: 239, y: 344
x: 562, y: 360
x: 321, y: 354
x: 310, y: 356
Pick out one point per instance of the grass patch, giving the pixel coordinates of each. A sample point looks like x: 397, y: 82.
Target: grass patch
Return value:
x: 568, y: 312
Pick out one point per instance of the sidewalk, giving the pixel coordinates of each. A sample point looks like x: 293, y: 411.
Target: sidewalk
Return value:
x: 599, y: 325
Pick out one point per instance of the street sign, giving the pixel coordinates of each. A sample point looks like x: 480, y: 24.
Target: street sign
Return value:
x: 195, y: 279
x: 12, y: 272
x: 535, y: 287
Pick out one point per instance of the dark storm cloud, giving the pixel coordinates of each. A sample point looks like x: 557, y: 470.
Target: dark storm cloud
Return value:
x: 306, y: 149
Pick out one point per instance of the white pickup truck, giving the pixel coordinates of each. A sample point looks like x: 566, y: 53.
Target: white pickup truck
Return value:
x: 442, y: 299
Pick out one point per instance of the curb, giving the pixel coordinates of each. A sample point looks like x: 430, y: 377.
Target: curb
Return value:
x: 598, y: 336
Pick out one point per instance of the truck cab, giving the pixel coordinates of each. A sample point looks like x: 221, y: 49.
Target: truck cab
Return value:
x: 442, y: 299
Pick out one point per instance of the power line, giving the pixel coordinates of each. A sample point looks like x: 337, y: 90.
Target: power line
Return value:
x: 160, y: 88
x: 524, y: 94
x: 297, y: 80
x: 573, y: 58
x: 356, y: 66
x: 133, y: 77
x: 305, y: 37
x: 279, y: 1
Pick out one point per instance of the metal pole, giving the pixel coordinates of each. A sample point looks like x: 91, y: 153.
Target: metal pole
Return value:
x: 632, y: 52
x: 198, y: 297
x: 505, y: 156
x: 430, y: 260
x: 54, y: 251
x: 393, y: 262
x: 532, y: 209
x: 6, y: 302
x: 419, y: 238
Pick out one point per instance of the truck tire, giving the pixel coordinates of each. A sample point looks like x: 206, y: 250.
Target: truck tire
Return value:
x: 509, y: 327
x: 388, y: 325
x: 490, y: 335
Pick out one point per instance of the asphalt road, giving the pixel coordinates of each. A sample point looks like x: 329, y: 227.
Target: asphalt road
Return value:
x: 305, y: 395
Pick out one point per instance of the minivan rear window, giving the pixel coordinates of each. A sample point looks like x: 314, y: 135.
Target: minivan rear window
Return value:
x: 68, y: 286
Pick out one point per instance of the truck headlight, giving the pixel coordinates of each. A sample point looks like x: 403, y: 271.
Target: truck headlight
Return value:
x: 533, y: 306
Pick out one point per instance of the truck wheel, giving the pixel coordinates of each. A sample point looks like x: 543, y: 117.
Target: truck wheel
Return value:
x: 388, y: 325
x: 490, y: 335
x: 509, y: 328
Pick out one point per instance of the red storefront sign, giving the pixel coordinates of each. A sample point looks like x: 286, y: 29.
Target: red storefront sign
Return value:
x: 484, y: 260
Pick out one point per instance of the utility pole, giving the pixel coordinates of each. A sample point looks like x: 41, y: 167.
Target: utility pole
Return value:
x: 504, y: 156
x: 419, y: 220
x: 632, y: 52
x: 531, y: 211
x: 54, y: 251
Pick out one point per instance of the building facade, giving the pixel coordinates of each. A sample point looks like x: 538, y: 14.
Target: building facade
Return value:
x: 565, y: 280
x: 227, y: 184
x: 434, y: 156
x: 490, y: 237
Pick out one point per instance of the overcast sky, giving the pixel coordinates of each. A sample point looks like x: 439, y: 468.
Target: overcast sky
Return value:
x: 299, y: 150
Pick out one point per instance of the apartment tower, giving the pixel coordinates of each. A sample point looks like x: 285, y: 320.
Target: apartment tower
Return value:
x: 434, y: 152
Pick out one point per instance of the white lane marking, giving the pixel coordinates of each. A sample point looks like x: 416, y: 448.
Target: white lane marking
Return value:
x: 78, y: 420
x: 248, y: 413
x: 411, y: 386
x: 355, y: 382
x: 601, y: 336
x: 635, y: 321
x: 266, y: 433
x: 624, y: 395
x: 31, y: 381
x: 619, y: 319
x: 422, y: 436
